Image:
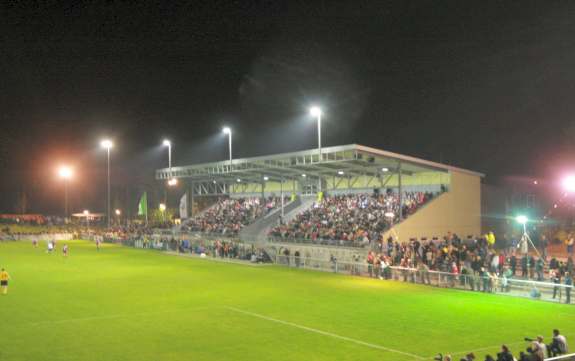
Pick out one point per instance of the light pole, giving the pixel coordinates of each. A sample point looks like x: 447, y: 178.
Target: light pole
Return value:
x: 228, y: 131
x: 118, y: 214
x: 87, y: 215
x: 163, y: 210
x: 525, y: 239
x: 65, y: 173
x: 107, y: 144
x: 172, y: 181
x: 316, y: 112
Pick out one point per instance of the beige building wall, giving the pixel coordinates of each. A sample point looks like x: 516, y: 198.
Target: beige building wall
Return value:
x: 458, y: 211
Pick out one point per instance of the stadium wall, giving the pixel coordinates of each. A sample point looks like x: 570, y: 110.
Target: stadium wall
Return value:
x: 457, y: 211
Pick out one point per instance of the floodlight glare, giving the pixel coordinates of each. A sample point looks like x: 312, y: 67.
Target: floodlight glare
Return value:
x: 238, y: 180
x: 162, y: 207
x: 226, y: 130
x: 315, y: 111
x: 304, y: 175
x: 118, y: 212
x: 384, y: 169
x: 166, y: 143
x: 340, y: 172
x: 65, y: 172
x: 107, y: 144
x: 86, y: 212
x: 569, y: 183
x: 266, y: 178
x: 521, y: 219
x: 172, y: 182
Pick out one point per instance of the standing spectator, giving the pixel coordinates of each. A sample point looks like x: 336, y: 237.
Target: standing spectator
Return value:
x: 570, y: 244
x: 370, y: 262
x: 568, y: 282
x: 544, y: 244
x: 524, y: 265
x: 539, y: 269
x: 513, y: 263
x: 556, y: 279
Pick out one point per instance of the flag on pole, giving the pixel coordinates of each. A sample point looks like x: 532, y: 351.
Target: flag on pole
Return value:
x: 143, y: 205
x: 184, y: 206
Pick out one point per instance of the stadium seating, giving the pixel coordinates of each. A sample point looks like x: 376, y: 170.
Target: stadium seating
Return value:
x: 229, y: 215
x: 351, y: 219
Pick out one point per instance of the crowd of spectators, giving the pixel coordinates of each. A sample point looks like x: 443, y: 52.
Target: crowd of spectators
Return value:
x: 229, y: 215
x: 351, y: 219
x: 474, y: 261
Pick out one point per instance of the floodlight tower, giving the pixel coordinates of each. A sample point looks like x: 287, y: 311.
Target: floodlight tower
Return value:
x: 525, y: 239
x: 107, y: 144
x: 66, y: 173
x: 167, y: 143
x: 228, y: 131
x: 316, y: 112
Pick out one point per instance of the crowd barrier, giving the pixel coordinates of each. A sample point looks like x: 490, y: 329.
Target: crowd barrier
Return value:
x: 500, y: 285
x: 320, y: 242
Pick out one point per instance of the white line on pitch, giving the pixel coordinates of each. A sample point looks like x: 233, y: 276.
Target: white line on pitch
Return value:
x: 325, y: 333
x: 122, y: 315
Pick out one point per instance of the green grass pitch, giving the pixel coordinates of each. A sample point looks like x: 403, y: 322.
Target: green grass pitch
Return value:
x: 127, y: 304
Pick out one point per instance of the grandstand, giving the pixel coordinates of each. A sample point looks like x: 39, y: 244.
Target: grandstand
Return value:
x: 435, y: 198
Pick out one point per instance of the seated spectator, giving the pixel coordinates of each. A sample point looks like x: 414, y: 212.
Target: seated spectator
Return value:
x: 352, y: 219
x: 229, y: 215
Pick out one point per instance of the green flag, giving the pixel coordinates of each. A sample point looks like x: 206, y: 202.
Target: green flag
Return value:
x: 143, y: 205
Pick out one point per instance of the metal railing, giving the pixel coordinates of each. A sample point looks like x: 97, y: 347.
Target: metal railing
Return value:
x: 319, y: 242
x: 569, y: 357
x: 546, y: 291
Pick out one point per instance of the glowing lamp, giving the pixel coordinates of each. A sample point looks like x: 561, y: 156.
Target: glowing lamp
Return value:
x: 521, y: 219
x: 315, y: 111
x: 569, y: 183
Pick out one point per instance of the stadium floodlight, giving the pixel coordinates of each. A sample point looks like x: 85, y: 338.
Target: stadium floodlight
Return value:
x: 316, y: 112
x: 525, y: 240
x: 569, y: 183
x: 521, y: 219
x: 86, y: 212
x: 385, y: 169
x: 228, y: 132
x: 162, y: 207
x: 304, y: 175
x: 168, y: 143
x: 118, y: 212
x: 238, y: 180
x: 340, y: 172
x: 266, y: 178
x: 108, y: 144
x: 66, y: 173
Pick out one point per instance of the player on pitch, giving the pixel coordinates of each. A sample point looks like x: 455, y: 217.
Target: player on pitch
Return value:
x: 4, y: 278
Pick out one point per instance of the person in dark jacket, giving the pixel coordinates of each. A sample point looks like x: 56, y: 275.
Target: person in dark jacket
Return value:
x: 505, y: 354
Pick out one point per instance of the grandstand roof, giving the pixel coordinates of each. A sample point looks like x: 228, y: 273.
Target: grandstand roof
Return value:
x: 352, y: 160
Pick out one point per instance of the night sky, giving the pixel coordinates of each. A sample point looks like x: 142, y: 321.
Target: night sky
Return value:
x: 485, y: 85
